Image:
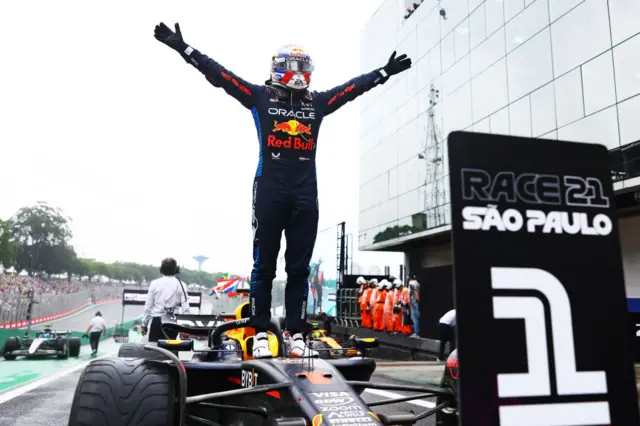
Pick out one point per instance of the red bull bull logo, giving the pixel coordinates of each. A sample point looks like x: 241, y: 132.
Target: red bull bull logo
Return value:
x: 292, y: 127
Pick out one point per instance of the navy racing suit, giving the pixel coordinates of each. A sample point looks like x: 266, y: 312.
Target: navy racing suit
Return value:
x: 285, y: 193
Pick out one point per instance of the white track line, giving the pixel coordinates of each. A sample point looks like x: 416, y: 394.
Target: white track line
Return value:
x: 9, y: 395
x: 387, y: 394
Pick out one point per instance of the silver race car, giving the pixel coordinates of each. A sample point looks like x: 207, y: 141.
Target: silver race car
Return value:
x: 46, y: 343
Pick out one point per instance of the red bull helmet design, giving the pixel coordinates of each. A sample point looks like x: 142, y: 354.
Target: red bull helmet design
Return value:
x: 291, y: 67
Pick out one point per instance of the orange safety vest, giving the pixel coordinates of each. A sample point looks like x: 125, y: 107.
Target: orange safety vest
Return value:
x: 378, y: 312
x: 388, y: 310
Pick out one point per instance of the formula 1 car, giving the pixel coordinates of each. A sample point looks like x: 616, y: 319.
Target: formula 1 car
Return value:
x: 222, y: 384
x: 46, y: 343
x: 328, y: 347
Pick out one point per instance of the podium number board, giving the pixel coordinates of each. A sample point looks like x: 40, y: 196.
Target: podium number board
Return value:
x: 539, y: 287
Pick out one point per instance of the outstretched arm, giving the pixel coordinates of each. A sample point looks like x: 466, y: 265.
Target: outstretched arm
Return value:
x: 339, y: 96
x: 215, y: 73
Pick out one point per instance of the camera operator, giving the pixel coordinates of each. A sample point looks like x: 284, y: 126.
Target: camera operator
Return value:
x: 166, y: 296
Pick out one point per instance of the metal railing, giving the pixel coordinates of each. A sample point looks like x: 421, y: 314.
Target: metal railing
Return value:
x: 348, y: 308
x: 13, y: 306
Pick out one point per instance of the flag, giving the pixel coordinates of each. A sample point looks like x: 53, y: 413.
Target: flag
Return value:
x: 222, y: 285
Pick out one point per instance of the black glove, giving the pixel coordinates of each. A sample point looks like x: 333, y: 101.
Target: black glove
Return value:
x: 396, y: 65
x: 172, y: 39
x: 85, y: 336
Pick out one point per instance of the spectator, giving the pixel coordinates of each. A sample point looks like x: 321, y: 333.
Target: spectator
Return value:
x: 446, y: 328
x: 414, y: 306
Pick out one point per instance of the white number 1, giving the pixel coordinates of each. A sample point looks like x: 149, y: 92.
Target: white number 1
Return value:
x: 537, y: 380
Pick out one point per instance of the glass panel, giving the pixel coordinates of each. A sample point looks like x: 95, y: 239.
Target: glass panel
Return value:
x: 601, y: 127
x: 457, y: 11
x: 629, y: 117
x: 428, y: 32
x: 489, y: 93
x: 580, y: 35
x: 448, y: 49
x: 500, y: 122
x: 457, y: 110
x: 455, y: 76
x: 569, y: 104
x: 495, y: 16
x: 543, y: 110
x: 626, y: 58
x: 477, y: 26
x: 429, y: 68
x: 487, y: 53
x: 520, y: 117
x: 482, y: 126
x: 557, y: 8
x: 512, y: 8
x: 529, y: 66
x: 624, y: 16
x: 462, y: 40
x: 532, y: 19
x: 598, y: 83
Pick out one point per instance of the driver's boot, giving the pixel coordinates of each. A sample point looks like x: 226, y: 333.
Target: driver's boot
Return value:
x: 261, y: 346
x: 300, y: 349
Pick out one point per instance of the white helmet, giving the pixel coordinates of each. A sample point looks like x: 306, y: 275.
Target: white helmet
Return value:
x: 398, y: 283
x: 382, y: 284
x: 291, y: 67
x: 361, y: 280
x: 413, y: 283
x: 373, y: 281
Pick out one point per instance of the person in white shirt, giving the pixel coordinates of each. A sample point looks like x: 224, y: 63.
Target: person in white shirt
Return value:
x: 447, y: 328
x: 166, y: 296
x: 94, y: 330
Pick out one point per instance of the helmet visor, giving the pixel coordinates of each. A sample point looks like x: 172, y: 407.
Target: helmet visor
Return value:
x: 293, y: 64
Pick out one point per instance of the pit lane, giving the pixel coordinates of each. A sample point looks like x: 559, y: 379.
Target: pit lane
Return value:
x: 49, y: 403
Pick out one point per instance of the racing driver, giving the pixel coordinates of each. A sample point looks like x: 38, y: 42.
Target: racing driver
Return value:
x: 287, y: 117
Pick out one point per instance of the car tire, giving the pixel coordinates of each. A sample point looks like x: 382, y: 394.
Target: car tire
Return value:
x: 117, y: 391
x: 136, y: 350
x: 10, y: 345
x: 74, y: 346
x: 62, y: 346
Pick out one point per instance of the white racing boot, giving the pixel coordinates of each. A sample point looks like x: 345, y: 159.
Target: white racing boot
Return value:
x: 299, y: 348
x: 261, y: 346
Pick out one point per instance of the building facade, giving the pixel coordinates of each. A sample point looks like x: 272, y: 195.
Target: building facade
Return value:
x: 554, y: 69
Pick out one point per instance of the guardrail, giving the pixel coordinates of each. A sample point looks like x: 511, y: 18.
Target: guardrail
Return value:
x: 348, y: 308
x: 13, y: 307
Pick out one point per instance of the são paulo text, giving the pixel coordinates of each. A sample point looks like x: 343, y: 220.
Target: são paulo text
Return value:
x: 558, y: 222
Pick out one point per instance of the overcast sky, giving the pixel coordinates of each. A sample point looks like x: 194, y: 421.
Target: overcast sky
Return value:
x: 148, y: 159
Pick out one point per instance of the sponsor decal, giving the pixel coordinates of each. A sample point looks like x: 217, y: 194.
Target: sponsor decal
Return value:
x: 507, y: 187
x: 288, y: 361
x: 317, y: 420
x: 290, y: 143
x: 249, y: 379
x: 311, y: 115
x: 337, y: 401
x: 343, y: 409
x: 275, y: 156
x: 452, y: 365
x: 341, y: 94
x: 291, y: 127
x: 196, y: 323
x: 236, y: 83
x: 254, y: 219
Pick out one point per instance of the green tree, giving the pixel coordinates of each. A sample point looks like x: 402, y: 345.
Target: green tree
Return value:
x: 37, y: 230
x: 7, y: 245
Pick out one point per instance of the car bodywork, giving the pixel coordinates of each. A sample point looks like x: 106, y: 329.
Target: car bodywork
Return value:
x: 57, y: 343
x: 221, y: 383
x: 328, y: 347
